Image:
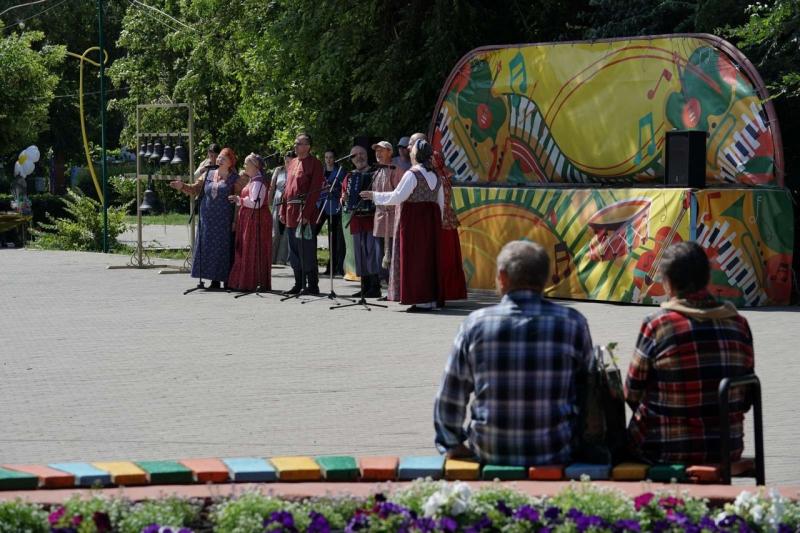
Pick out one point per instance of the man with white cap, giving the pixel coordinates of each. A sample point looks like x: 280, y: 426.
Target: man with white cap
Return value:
x: 386, y: 178
x: 403, y: 158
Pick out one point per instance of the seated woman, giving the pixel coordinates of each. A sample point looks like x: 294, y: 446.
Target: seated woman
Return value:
x: 252, y: 265
x: 682, y: 353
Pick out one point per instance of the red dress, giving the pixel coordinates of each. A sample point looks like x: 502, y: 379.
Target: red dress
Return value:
x: 416, y: 266
x: 454, y: 285
x: 253, y: 235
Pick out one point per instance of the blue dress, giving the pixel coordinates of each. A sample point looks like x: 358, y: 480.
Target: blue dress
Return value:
x: 212, y: 251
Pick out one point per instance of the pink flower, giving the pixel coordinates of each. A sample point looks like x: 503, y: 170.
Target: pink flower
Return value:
x: 670, y: 502
x: 76, y: 520
x: 642, y: 500
x: 56, y: 515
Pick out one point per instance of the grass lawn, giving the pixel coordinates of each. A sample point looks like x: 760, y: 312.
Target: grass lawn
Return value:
x: 168, y: 219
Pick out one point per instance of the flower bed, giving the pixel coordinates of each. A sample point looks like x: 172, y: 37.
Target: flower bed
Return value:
x: 424, y: 506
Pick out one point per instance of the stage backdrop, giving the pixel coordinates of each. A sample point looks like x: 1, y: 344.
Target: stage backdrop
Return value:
x: 607, y: 244
x: 597, y: 112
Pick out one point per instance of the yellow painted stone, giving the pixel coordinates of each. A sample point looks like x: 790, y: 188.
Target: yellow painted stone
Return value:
x: 123, y: 472
x: 630, y: 472
x: 296, y: 468
x: 459, y: 470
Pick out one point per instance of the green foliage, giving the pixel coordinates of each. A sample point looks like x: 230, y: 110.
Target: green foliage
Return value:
x: 22, y: 517
x: 27, y: 86
x: 171, y: 511
x: 606, y: 503
x: 41, y: 205
x: 245, y: 514
x: 82, y: 229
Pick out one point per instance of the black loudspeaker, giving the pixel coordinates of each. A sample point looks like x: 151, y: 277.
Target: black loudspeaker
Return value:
x: 367, y: 142
x: 685, y: 159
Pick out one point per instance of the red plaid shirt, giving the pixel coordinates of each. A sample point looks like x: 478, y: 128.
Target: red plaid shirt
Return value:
x: 673, y: 380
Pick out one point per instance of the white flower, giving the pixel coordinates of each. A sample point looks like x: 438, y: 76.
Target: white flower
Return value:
x: 757, y: 514
x: 434, y: 502
x: 450, y: 498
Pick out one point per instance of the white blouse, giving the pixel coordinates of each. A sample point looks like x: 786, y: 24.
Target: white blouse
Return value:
x: 257, y: 190
x: 406, y: 186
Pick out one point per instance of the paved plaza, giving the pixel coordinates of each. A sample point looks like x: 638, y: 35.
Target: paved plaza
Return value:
x: 101, y: 364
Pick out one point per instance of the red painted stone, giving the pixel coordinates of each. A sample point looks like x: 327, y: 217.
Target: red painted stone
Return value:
x: 382, y: 468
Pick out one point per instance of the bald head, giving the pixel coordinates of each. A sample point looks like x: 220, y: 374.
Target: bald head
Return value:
x: 416, y: 137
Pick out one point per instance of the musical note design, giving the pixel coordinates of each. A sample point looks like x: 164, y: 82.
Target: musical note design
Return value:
x: 665, y: 75
x: 708, y: 214
x: 561, y: 255
x: 518, y: 72
x: 644, y: 122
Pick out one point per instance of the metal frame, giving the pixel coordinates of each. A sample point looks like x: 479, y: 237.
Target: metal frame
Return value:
x: 725, y: 430
x: 138, y: 259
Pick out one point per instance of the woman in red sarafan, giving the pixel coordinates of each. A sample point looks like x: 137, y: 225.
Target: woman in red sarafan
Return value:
x: 415, y: 274
x: 252, y: 264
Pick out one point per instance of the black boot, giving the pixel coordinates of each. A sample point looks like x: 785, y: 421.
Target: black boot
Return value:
x: 312, y: 283
x: 372, y: 286
x: 298, y: 284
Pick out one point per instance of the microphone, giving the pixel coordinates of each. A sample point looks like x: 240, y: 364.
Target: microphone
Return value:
x: 212, y: 167
x: 348, y: 156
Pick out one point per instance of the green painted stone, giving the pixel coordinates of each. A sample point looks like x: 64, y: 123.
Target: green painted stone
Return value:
x: 504, y: 473
x: 165, y: 472
x: 12, y: 480
x: 338, y: 467
x: 667, y: 473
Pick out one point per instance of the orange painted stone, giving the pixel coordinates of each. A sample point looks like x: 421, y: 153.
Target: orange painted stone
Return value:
x: 49, y: 478
x: 546, y: 473
x: 209, y: 470
x: 379, y: 468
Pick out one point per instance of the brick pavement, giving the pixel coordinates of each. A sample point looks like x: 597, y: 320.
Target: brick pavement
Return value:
x: 104, y: 364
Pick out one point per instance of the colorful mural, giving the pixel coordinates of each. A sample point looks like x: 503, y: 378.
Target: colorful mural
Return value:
x: 607, y: 244
x: 597, y: 112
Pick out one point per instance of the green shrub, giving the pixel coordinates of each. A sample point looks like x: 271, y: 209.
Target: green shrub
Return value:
x: 246, y: 513
x: 82, y: 228
x: 22, y: 517
x: 41, y: 204
x: 124, y: 194
x: 173, y: 512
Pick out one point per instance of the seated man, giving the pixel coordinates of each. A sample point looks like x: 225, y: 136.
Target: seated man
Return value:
x: 682, y: 353
x: 521, y: 360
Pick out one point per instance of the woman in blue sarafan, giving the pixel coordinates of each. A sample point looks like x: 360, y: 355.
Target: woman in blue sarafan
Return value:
x: 212, y: 251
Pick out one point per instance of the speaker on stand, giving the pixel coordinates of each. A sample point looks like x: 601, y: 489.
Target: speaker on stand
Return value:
x: 685, y: 159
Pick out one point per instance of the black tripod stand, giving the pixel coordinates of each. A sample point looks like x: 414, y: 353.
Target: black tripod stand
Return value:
x: 259, y: 290
x: 331, y: 295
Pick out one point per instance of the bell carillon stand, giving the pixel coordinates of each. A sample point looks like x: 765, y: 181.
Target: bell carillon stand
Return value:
x: 154, y: 156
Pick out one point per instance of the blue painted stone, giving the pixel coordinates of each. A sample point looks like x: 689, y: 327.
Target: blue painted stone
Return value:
x: 594, y: 471
x: 85, y: 474
x: 415, y: 467
x: 250, y: 469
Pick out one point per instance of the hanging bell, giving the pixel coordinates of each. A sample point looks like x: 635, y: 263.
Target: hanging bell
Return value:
x: 169, y: 152
x: 143, y: 149
x: 150, y: 201
x: 158, y: 151
x: 149, y: 151
x: 180, y: 153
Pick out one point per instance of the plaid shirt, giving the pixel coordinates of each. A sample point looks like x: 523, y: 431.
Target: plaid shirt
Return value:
x: 520, y: 360
x: 673, y: 381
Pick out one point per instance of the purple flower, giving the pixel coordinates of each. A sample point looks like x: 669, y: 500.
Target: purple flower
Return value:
x: 626, y: 525
x: 447, y: 524
x: 76, y: 520
x: 101, y: 521
x: 679, y: 519
x: 545, y: 530
x: 484, y: 522
x: 526, y: 512
x: 358, y: 522
x: 152, y: 528
x: 503, y: 508
x: 660, y: 525
x: 573, y: 514
x: 380, y: 497
x: 386, y: 509
x: 784, y: 528
x: 587, y: 522
x: 642, y: 500
x: 184, y: 530
x: 425, y: 525
x: 319, y: 524
x: 56, y: 515
x: 552, y: 513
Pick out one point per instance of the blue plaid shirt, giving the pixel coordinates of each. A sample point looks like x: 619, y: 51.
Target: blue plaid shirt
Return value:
x: 520, y: 359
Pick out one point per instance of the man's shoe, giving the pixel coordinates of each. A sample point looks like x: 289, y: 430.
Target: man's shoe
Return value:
x: 294, y: 290
x: 311, y: 291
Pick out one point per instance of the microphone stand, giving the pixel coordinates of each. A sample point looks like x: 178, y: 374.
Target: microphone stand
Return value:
x: 362, y: 301
x: 257, y: 213
x: 331, y: 295
x: 199, y: 202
